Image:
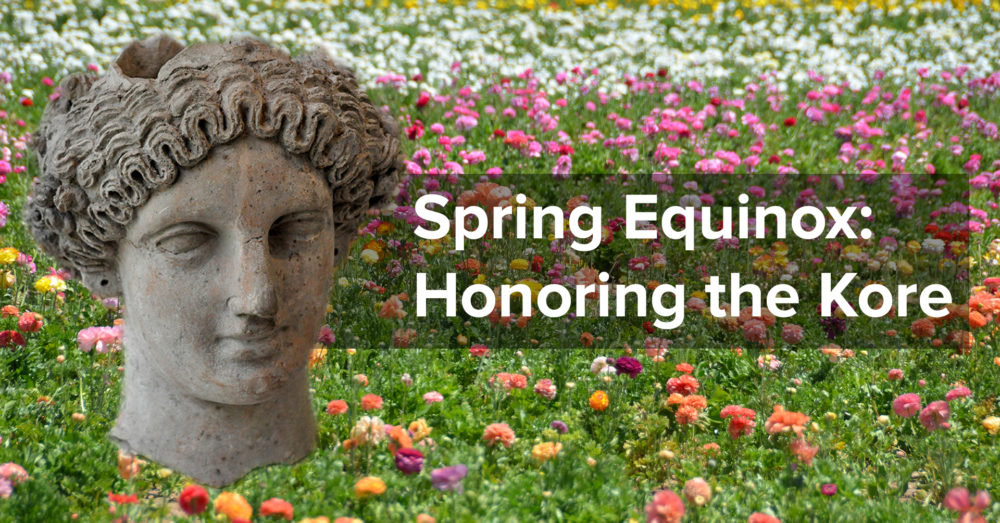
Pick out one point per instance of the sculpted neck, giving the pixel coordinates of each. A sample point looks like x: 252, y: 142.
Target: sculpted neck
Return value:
x: 213, y: 443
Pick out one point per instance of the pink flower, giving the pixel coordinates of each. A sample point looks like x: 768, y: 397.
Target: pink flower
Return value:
x: 792, y: 334
x: 433, y: 397
x: 546, y: 389
x: 906, y: 405
x: 935, y: 416
x: 100, y: 338
x: 970, y: 511
x: 666, y: 507
x: 895, y: 374
x: 958, y: 392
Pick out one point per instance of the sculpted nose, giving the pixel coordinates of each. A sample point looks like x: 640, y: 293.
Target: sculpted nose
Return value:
x: 255, y: 293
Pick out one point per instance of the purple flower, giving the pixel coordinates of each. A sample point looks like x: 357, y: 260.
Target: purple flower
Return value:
x: 560, y: 426
x: 828, y: 489
x: 630, y: 366
x: 449, y: 478
x: 409, y: 461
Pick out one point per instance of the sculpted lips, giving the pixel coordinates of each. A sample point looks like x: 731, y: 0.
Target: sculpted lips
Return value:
x: 251, y: 340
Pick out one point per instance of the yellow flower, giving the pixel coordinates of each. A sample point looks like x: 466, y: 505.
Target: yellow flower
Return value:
x: 480, y: 279
x: 913, y: 246
x: 904, y: 267
x: 369, y: 486
x: 8, y: 255
x: 6, y: 279
x: 233, y: 506
x: 317, y: 355
x: 420, y: 429
x: 992, y: 425
x: 546, y: 451
x: 533, y: 285
x: 50, y: 283
x: 520, y: 264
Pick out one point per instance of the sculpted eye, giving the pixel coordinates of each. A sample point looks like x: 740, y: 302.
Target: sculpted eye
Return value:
x: 294, y: 229
x: 183, y: 239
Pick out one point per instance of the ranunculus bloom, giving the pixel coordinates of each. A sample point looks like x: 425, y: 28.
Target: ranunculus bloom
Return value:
x: 449, y: 478
x: 545, y: 451
x: 697, y: 491
x: 782, y: 420
x: 992, y: 425
x: 666, y: 507
x: 193, y: 499
x: 684, y: 385
x: 233, y: 506
x: 969, y: 510
x: 336, y: 407
x: 828, y: 489
x: 369, y: 486
x: 433, y: 397
x: 409, y: 460
x: 277, y: 507
x: 803, y: 450
x: 546, y: 389
x: 895, y: 374
x: 906, y: 405
x: 935, y: 415
x: 599, y: 400
x: 792, y: 334
x: 371, y: 402
x: 741, y: 420
x: 760, y: 517
x: 956, y: 393
x: 627, y: 365
x: 13, y: 473
x: 499, y: 432
x: 30, y: 322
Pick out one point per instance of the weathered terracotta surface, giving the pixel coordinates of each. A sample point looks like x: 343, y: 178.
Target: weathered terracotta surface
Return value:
x: 214, y: 188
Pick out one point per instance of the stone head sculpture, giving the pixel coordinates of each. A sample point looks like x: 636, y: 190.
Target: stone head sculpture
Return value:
x: 214, y: 188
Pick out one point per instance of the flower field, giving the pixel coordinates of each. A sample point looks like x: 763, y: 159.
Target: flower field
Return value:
x: 891, y: 105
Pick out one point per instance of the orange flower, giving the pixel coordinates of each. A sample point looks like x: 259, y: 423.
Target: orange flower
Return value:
x: 599, y: 400
x: 369, y: 486
x: 392, y: 308
x: 129, y: 465
x: 686, y: 415
x: 976, y: 320
x: 782, y: 420
x: 9, y: 310
x: 371, y: 402
x: 586, y: 339
x: 803, y: 450
x: 233, y: 506
x: 400, y: 439
x: 277, y: 507
x: 336, y: 407
x: 675, y: 399
x: 695, y: 401
x: 546, y: 451
x: 499, y: 432
x: 922, y: 328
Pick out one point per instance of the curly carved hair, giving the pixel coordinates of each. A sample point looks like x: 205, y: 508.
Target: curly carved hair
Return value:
x: 107, y: 143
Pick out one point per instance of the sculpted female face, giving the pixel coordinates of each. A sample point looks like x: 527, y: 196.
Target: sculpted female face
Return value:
x: 226, y: 273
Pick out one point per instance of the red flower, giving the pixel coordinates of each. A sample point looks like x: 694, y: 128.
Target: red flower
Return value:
x: 790, y: 121
x: 277, y: 507
x: 499, y: 133
x: 122, y: 499
x: 423, y: 100
x: 648, y: 325
x: 9, y: 337
x: 25, y: 101
x: 193, y: 500
x: 716, y: 101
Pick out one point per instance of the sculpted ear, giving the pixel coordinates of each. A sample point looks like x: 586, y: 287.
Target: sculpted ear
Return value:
x: 105, y: 283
